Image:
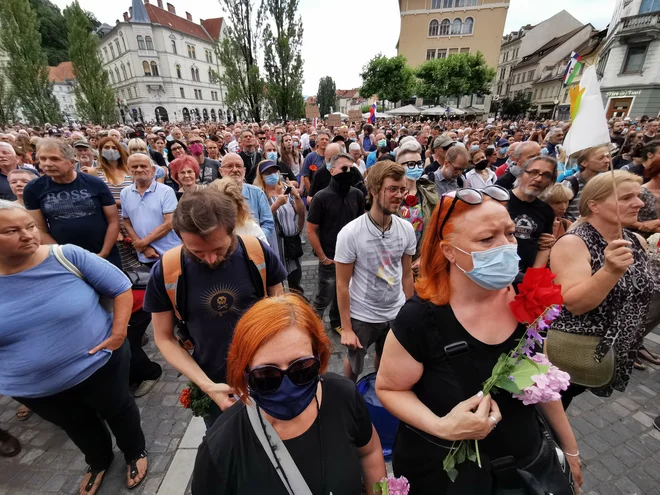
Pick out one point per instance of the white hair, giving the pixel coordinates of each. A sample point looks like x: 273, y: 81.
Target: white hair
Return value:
x: 408, y: 146
x: 10, y: 205
x: 354, y: 146
x: 7, y: 145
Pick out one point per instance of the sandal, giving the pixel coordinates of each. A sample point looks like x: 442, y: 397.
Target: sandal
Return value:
x: 639, y: 365
x: 134, y: 470
x: 92, y: 479
x: 647, y: 355
x: 23, y: 413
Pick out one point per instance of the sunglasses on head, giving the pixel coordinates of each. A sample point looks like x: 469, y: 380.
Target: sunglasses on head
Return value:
x: 472, y: 197
x: 268, y: 378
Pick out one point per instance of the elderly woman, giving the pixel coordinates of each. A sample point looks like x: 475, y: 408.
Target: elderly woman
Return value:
x: 463, y: 304
x: 276, y: 365
x: 604, y: 275
x: 18, y: 179
x: 185, y: 172
x: 68, y: 362
x: 289, y: 213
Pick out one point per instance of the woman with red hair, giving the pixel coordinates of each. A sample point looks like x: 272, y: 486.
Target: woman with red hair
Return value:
x: 295, y: 426
x: 443, y: 346
x: 185, y: 172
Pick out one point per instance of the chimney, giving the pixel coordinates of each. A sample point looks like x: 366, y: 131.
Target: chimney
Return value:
x: 188, y: 16
x: 125, y: 16
x: 170, y: 8
x: 160, y: 4
x: 130, y: 12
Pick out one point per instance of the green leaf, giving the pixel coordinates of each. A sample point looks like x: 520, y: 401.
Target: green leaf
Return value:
x: 506, y: 384
x: 472, y: 454
x: 460, y: 454
x: 523, y: 372
x: 452, y: 474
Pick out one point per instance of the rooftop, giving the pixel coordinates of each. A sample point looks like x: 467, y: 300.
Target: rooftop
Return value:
x: 549, y: 47
x: 348, y: 93
x: 61, y: 73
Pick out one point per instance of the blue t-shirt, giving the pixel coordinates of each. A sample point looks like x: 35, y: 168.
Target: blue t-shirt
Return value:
x: 74, y: 211
x: 215, y: 298
x: 44, y: 347
x: 312, y: 159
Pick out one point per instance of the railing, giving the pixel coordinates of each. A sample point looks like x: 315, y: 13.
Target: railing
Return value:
x: 640, y: 22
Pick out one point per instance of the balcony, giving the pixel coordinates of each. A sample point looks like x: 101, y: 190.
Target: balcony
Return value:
x: 639, y: 27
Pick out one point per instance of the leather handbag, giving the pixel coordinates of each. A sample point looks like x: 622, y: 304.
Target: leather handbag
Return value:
x: 139, y: 277
x: 574, y: 354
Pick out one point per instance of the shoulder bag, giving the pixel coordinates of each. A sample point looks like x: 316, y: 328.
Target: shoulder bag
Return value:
x: 292, y: 244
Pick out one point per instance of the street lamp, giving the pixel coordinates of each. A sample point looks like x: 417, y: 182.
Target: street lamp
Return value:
x: 554, y: 110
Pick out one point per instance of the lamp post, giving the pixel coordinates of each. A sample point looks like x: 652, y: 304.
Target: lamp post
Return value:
x: 554, y: 110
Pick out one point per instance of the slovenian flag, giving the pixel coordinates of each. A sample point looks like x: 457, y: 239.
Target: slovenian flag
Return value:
x: 372, y: 113
x: 572, y: 69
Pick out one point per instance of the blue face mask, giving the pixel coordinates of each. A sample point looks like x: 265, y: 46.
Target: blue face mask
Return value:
x: 382, y: 142
x: 328, y: 166
x: 495, y: 268
x: 503, y: 150
x: 474, y: 147
x: 272, y: 179
x: 415, y: 173
x: 288, y: 401
x: 272, y: 156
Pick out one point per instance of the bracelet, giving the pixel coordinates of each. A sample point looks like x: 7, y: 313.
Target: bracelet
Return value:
x: 324, y: 259
x: 572, y: 455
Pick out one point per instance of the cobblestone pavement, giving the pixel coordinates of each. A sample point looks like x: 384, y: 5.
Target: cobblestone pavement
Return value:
x: 619, y: 446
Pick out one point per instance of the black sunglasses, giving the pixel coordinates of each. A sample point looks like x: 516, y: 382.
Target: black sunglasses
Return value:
x: 472, y: 197
x: 268, y: 378
x: 413, y: 164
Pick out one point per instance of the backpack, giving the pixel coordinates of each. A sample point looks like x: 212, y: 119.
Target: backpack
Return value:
x: 575, y: 184
x: 173, y: 277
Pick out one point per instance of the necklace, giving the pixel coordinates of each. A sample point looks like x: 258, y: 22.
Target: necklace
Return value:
x: 381, y: 231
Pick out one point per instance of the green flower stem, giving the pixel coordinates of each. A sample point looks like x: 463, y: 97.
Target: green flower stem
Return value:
x: 476, y: 449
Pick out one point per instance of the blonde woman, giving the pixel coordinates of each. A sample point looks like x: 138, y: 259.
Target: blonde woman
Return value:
x: 245, y: 223
x: 136, y: 145
x: 558, y: 196
x: 112, y: 167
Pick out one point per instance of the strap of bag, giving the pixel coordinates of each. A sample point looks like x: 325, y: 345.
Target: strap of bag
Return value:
x: 172, y: 270
x: 256, y: 256
x: 284, y: 464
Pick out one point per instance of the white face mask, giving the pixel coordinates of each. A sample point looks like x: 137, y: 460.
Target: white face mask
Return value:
x: 495, y: 268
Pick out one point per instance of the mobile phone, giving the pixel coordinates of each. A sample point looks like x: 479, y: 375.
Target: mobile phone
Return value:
x: 287, y: 190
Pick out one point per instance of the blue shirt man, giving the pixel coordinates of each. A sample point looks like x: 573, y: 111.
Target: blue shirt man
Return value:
x: 147, y: 208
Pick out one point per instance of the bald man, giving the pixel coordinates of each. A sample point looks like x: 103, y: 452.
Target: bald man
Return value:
x: 322, y: 176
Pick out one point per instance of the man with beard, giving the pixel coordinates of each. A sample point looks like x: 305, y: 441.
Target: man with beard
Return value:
x: 616, y: 134
x: 218, y: 280
x: 332, y: 208
x: 373, y: 260
x: 533, y: 217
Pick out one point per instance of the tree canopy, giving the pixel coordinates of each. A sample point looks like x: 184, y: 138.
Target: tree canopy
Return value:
x: 388, y: 78
x: 326, y: 95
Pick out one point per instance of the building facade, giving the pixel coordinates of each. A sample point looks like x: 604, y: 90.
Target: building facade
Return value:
x: 163, y: 67
x: 64, y: 83
x: 349, y: 99
x: 628, y: 64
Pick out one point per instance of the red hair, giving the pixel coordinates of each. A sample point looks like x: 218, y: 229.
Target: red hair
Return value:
x: 261, y: 323
x: 182, y: 162
x: 433, y: 282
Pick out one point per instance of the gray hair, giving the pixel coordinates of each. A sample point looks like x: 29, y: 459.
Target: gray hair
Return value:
x: 10, y: 205
x: 8, y: 145
x: 456, y: 151
x: 66, y: 150
x: 334, y: 159
x: 552, y: 132
x: 409, y: 146
x: 522, y: 147
x: 540, y: 158
x: 354, y: 146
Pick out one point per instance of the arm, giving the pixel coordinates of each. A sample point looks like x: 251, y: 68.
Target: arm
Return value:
x: 371, y: 459
x: 266, y: 221
x: 407, y: 277
x: 344, y: 274
x: 137, y: 242
x: 542, y: 257
x: 111, y: 234
x: 313, y: 237
x: 299, y: 207
x: 39, y: 219
x: 122, y: 306
x: 161, y: 231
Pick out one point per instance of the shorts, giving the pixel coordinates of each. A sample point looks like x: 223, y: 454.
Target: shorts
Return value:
x: 367, y: 333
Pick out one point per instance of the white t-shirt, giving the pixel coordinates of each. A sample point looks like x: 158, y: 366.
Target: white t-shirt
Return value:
x: 375, y: 289
x: 476, y: 181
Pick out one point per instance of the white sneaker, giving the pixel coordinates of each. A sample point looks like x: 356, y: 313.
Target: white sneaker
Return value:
x: 145, y: 387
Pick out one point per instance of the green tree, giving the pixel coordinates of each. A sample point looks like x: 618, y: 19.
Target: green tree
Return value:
x: 455, y: 76
x: 283, y: 63
x: 388, y: 78
x: 95, y: 100
x: 26, y: 69
x: 516, y: 106
x: 7, y: 101
x: 326, y: 95
x: 238, y: 53
x: 53, y: 29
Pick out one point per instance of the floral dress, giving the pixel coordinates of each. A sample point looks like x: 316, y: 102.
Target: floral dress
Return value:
x: 620, y: 318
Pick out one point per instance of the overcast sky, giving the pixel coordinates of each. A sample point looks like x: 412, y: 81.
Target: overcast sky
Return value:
x: 341, y: 36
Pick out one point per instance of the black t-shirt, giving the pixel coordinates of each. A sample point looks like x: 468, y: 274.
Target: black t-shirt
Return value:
x: 320, y: 181
x: 432, y: 167
x: 209, y: 171
x: 285, y: 171
x: 231, y: 460
x: 331, y: 212
x: 506, y: 181
x: 532, y: 220
x: 215, y: 300
x: 618, y: 140
x: 499, y: 162
x: 424, y: 330
x: 648, y: 139
x: 74, y: 211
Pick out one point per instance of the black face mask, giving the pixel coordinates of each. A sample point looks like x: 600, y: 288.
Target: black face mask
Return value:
x: 481, y: 165
x: 343, y: 181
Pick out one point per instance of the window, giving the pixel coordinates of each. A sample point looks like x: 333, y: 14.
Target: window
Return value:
x: 112, y: 51
x: 649, y: 6
x: 130, y: 72
x: 502, y: 72
x: 211, y: 76
x: 634, y: 61
x: 433, y: 28
x: 456, y: 26
x: 465, y: 50
x: 435, y: 4
x: 192, y: 73
x: 430, y: 54
x: 183, y: 95
x: 154, y: 69
x: 178, y: 71
x: 452, y: 51
x: 140, y: 41
x: 200, y: 94
x: 123, y: 41
x: 442, y: 53
x: 112, y: 76
x: 530, y: 75
x: 123, y: 69
x: 191, y: 51
x: 214, y: 96
x: 445, y: 26
x: 209, y: 56
x: 118, y: 49
x: 460, y: 3
x: 123, y: 95
x: 105, y: 52
x: 174, y: 47
x: 515, y: 53
x: 522, y: 77
x: 468, y: 25
x: 130, y: 94
x: 149, y: 42
x: 602, y: 62
x: 197, y: 75
x: 470, y: 3
x: 146, y: 68
x: 117, y: 74
x: 447, y: 4
x: 535, y: 92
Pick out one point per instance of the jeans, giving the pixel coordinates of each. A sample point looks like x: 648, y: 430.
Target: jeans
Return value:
x: 327, y: 294
x: 142, y: 368
x: 81, y: 411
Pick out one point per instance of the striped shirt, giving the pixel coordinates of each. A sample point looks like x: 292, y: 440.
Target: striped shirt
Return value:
x: 573, y: 211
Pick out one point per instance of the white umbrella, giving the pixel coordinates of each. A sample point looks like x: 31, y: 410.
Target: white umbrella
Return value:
x: 408, y: 110
x: 455, y: 111
x: 379, y: 115
x: 437, y: 110
x: 341, y: 115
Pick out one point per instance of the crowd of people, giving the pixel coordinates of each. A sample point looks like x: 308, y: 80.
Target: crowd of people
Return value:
x: 420, y: 228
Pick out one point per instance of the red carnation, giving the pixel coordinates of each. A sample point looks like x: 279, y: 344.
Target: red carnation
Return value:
x: 128, y: 240
x: 185, y: 398
x: 411, y: 200
x: 535, y: 294
x: 313, y: 168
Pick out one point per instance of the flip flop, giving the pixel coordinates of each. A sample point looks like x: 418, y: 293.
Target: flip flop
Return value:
x: 23, y: 413
x: 639, y: 365
x: 92, y: 479
x: 650, y: 357
x: 134, y: 470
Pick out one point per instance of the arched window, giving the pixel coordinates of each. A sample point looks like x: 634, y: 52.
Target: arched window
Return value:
x: 123, y: 41
x: 118, y: 48
x: 468, y: 25
x: 140, y: 41
x: 130, y: 72
x: 150, y: 43
x: 174, y: 47
x: 123, y: 69
x: 154, y: 69
x: 197, y: 75
x: 178, y: 71
x: 117, y: 74
x: 456, y: 26
x: 130, y: 94
x: 112, y: 76
x: 210, y: 76
x: 433, y: 28
x: 192, y: 74
x: 445, y: 27
x: 112, y: 51
x: 147, y: 68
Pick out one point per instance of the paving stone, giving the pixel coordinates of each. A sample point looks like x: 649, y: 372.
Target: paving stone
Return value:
x: 636, y: 481
x: 601, y: 472
x: 612, y: 464
x: 643, y: 418
x: 55, y: 483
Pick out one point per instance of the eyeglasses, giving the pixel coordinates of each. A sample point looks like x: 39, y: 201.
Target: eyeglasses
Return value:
x: 268, y: 378
x: 533, y: 174
x: 232, y: 167
x: 394, y: 190
x: 176, y: 148
x: 413, y: 164
x: 472, y: 197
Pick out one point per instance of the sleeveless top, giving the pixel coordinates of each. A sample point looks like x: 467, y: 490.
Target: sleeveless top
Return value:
x: 619, y: 319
